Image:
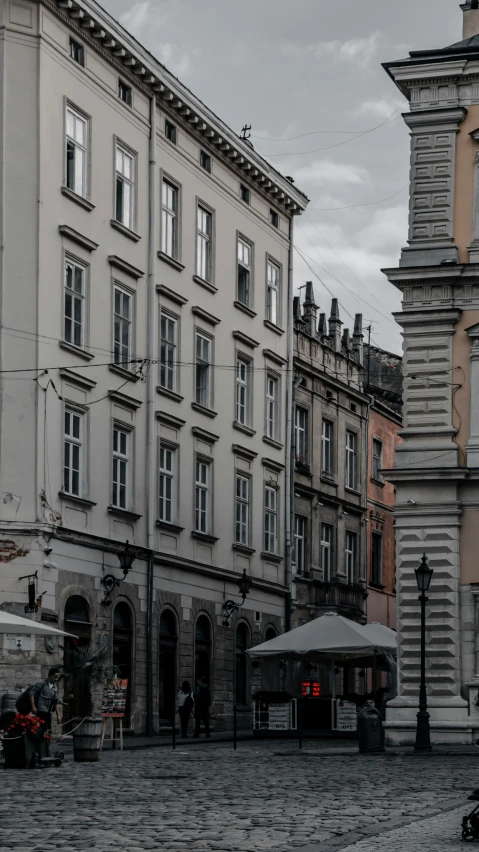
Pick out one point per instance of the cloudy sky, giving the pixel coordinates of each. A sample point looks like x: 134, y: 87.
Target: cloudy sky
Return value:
x: 294, y: 67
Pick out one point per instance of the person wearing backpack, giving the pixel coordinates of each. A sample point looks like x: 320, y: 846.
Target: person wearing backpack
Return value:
x: 43, y: 699
x: 185, y: 705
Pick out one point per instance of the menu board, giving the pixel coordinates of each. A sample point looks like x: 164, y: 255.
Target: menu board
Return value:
x: 346, y: 716
x: 279, y: 717
x: 114, y: 699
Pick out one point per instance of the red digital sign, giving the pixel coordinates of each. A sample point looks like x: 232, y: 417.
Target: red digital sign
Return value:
x: 310, y: 689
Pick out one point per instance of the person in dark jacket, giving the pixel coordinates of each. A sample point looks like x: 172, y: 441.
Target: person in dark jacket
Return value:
x: 202, y: 706
x: 185, y: 703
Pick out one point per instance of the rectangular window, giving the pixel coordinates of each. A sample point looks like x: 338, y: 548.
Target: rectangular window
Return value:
x: 74, y: 304
x: 203, y: 248
x: 376, y: 559
x: 327, y: 552
x: 244, y: 271
x: 205, y: 161
x: 272, y: 305
x: 122, y: 326
x: 167, y: 484
x: 124, y: 92
x: 170, y: 131
x: 203, y: 370
x: 274, y: 218
x: 350, y: 555
x: 327, y: 447
x: 272, y: 394
x: 270, y: 519
x: 245, y: 194
x: 168, y: 352
x: 377, y: 459
x: 169, y: 219
x: 76, y: 151
x: 243, y: 391
x: 242, y: 510
x: 125, y: 187
x: 121, y: 467
x: 203, y: 497
x: 301, y: 435
x: 73, y: 453
x: 299, y: 543
x: 77, y: 52
x: 351, y: 459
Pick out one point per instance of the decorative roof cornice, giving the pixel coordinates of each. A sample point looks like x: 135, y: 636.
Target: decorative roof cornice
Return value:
x: 118, y: 47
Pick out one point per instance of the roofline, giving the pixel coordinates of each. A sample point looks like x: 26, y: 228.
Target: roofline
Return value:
x: 91, y: 19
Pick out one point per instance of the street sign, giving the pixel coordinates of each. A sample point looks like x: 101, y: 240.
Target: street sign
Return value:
x: 346, y: 716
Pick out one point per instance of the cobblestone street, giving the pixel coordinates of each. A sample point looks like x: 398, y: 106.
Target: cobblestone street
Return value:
x: 267, y: 796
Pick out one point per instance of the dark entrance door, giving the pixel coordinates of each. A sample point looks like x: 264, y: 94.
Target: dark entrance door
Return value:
x: 123, y: 651
x: 203, y: 649
x: 167, y: 675
x: 76, y: 699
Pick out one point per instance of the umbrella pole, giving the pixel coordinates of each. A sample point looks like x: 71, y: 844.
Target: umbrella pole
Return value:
x: 375, y: 673
x: 333, y: 702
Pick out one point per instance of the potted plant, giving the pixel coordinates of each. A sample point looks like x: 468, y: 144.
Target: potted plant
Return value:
x: 88, y: 675
x: 23, y: 741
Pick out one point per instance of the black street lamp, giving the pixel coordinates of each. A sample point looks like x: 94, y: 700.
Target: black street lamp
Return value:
x: 126, y: 559
x: 423, y: 739
x: 244, y: 586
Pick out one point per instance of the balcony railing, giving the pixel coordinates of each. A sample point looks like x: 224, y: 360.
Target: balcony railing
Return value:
x: 340, y: 596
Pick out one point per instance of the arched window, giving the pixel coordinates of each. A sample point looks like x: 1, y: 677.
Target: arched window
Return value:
x: 270, y: 634
x: 167, y: 673
x: 123, y: 650
x: 203, y: 646
x: 242, y: 644
x: 77, y: 621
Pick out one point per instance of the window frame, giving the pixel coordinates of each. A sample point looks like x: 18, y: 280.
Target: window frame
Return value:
x: 170, y: 215
x: 271, y: 376
x: 73, y: 43
x: 326, y: 546
x: 271, y: 286
x: 327, y: 447
x: 242, y: 501
x: 208, y: 241
x: 207, y: 488
x: 80, y: 442
x: 171, y: 132
x: 377, y: 460
x: 351, y: 455
x: 175, y: 372
x: 240, y: 238
x: 127, y: 459
x: 377, y: 570
x: 85, y: 147
x: 351, y: 556
x: 199, y: 333
x: 300, y: 540
x: 125, y: 291
x: 128, y: 100
x: 171, y: 475
x: 245, y: 194
x: 301, y: 459
x: 206, y: 161
x: 270, y: 534
x: 247, y: 385
x: 273, y: 217
x: 126, y: 151
x: 76, y: 263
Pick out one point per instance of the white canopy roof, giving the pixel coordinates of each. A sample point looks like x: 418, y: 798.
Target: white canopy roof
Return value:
x: 10, y: 623
x: 331, y: 635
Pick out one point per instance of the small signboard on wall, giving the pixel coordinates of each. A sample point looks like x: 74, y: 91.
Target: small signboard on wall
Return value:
x: 114, y: 699
x: 346, y: 716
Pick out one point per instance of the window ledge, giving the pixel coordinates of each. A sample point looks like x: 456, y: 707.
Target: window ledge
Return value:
x: 273, y: 327
x: 83, y: 202
x: 352, y: 491
x: 244, y: 308
x: 379, y: 482
x: 273, y: 443
x: 124, y: 513
x: 329, y: 480
x: 172, y: 261
x: 211, y: 539
x: 379, y: 586
x: 121, y: 371
x: 206, y: 284
x: 76, y: 350
x: 82, y: 501
x: 170, y: 394
x: 242, y: 548
x: 305, y: 469
x: 208, y: 412
x: 241, y: 428
x: 271, y: 557
x: 167, y: 525
x: 127, y: 232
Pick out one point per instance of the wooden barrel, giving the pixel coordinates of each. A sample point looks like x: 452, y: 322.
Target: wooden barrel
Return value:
x: 86, y: 741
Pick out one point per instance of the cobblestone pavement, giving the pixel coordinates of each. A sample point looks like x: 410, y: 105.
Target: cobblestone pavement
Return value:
x: 429, y: 835
x: 265, y: 796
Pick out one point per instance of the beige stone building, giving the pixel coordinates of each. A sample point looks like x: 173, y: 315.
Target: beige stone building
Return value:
x: 437, y: 465
x: 145, y: 281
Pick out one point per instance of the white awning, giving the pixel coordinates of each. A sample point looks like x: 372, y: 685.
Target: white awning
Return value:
x: 10, y: 623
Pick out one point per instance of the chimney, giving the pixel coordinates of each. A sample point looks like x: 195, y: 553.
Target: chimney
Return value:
x: 310, y: 310
x: 358, y: 337
x: 335, y: 326
x: 470, y: 11
x: 297, y: 310
x: 346, y: 341
x: 322, y: 327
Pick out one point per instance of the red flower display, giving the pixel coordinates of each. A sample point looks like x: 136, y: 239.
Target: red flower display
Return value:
x: 29, y: 725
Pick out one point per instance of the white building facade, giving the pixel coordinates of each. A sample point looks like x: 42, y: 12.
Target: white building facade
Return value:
x: 145, y: 291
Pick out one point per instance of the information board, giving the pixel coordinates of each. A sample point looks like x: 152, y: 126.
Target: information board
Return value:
x: 279, y: 717
x: 114, y: 699
x: 346, y: 716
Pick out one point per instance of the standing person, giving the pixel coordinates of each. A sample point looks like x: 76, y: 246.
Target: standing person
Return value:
x: 202, y: 706
x: 44, y: 699
x: 185, y: 704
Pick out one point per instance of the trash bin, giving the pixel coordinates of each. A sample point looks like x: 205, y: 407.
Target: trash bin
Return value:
x: 370, y: 730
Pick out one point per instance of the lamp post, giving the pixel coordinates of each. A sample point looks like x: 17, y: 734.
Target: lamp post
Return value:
x: 126, y: 559
x: 244, y: 586
x: 423, y: 740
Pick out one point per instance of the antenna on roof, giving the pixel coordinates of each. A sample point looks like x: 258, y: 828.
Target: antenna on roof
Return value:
x: 246, y: 131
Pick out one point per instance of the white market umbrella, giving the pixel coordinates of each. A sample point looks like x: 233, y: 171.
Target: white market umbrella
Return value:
x: 383, y: 636
x: 330, y: 635
x: 10, y: 623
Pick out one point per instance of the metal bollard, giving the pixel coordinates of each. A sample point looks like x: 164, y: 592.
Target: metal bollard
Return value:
x: 174, y: 727
x: 300, y: 730
x: 234, y: 726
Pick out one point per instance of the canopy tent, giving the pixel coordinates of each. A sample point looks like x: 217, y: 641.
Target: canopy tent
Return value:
x: 330, y: 636
x: 10, y: 623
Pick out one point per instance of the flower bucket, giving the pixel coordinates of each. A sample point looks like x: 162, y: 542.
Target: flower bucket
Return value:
x: 20, y: 752
x: 87, y: 741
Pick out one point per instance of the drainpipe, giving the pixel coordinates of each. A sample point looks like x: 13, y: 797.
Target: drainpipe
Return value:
x: 150, y: 423
x: 289, y: 460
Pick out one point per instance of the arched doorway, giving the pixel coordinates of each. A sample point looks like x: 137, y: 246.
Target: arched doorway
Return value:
x: 271, y: 633
x: 241, y: 664
x: 123, y: 650
x: 76, y: 701
x: 168, y: 666
x: 203, y: 647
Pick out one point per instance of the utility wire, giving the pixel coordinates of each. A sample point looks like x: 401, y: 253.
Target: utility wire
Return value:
x: 317, y: 132
x: 363, y: 204
x: 338, y: 144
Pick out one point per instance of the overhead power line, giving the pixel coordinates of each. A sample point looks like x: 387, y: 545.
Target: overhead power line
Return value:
x: 317, y: 132
x: 362, y: 204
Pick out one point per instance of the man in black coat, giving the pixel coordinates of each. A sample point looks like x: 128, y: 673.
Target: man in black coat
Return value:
x: 202, y: 706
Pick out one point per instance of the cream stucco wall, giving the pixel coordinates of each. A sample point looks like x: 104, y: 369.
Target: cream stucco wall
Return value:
x: 466, y: 149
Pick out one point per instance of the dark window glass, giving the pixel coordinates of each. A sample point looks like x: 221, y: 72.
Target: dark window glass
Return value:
x: 205, y: 161
x: 77, y: 52
x: 170, y: 131
x: 274, y: 218
x: 124, y: 93
x: 245, y: 194
x: 376, y: 559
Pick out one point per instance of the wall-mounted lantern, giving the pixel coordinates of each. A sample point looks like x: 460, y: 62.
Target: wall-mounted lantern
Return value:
x: 126, y: 559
